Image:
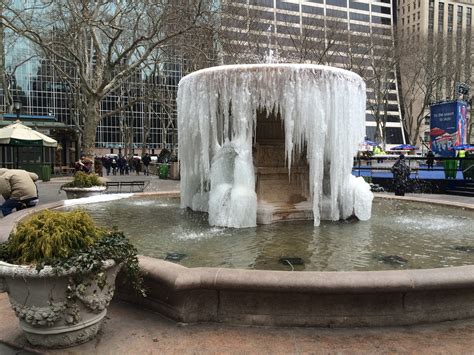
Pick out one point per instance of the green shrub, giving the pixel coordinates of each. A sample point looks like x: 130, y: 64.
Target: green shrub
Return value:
x: 52, y: 235
x: 65, y: 240
x: 81, y: 179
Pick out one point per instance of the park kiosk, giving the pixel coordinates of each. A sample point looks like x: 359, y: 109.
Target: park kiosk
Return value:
x: 22, y: 147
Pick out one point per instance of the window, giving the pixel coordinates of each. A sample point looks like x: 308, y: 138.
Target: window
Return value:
x: 440, y: 17
x: 431, y: 19
x: 450, y: 18
x: 354, y: 4
x: 359, y: 17
x: 342, y: 3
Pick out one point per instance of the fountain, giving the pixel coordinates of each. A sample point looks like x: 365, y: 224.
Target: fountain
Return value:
x: 262, y: 143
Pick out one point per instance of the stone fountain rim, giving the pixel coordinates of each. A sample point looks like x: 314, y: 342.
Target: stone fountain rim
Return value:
x: 188, y: 278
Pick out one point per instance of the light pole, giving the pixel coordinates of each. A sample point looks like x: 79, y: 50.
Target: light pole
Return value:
x: 17, y: 106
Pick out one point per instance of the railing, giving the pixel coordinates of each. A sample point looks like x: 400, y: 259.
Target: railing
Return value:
x: 443, y: 168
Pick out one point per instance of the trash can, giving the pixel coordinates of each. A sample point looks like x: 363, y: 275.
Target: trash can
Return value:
x: 45, y: 173
x: 450, y: 168
x: 164, y: 169
x: 467, y: 167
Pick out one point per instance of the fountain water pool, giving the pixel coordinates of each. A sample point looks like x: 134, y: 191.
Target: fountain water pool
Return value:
x: 400, y: 235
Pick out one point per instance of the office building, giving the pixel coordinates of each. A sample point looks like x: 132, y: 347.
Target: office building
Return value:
x: 351, y: 34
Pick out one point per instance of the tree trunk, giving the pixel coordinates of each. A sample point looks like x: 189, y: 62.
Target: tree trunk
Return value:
x: 91, y: 121
x: 3, y: 77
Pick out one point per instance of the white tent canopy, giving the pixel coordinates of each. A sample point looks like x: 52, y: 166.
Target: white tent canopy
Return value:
x: 17, y: 133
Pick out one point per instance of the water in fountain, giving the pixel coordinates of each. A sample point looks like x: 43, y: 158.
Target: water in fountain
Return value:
x: 322, y: 110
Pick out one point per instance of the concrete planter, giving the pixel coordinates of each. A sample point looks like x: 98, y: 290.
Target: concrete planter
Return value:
x: 79, y: 192
x: 55, y: 311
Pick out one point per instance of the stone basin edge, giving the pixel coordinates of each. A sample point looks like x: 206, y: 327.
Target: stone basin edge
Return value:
x: 183, y: 278
x: 302, y: 298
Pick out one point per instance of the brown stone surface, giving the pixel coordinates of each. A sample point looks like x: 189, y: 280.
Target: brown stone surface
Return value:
x: 129, y: 330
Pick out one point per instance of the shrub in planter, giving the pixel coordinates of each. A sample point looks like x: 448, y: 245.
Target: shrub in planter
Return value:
x: 84, y: 185
x: 59, y: 270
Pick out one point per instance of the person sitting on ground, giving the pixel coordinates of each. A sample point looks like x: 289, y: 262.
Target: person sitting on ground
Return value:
x: 19, y: 190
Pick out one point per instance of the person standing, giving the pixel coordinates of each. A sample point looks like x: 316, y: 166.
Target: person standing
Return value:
x: 401, y: 175
x: 137, y: 165
x: 19, y: 190
x: 107, y: 164
x: 430, y: 160
x: 113, y: 164
x: 146, y: 161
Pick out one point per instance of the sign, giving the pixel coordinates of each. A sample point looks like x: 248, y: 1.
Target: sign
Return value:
x: 447, y: 127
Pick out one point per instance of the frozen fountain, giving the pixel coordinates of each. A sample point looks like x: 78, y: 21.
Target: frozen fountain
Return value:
x: 262, y: 143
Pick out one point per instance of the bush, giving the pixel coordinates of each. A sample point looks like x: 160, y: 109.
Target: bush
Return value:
x: 65, y: 240
x: 52, y: 235
x: 81, y: 179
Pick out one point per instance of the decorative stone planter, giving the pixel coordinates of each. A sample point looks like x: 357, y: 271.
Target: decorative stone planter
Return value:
x: 79, y: 192
x: 57, y: 310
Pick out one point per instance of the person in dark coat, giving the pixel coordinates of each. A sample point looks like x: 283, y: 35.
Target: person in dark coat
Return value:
x: 137, y: 165
x: 146, y: 161
x: 122, y: 162
x: 401, y: 175
x: 113, y: 164
x: 430, y: 160
x: 107, y: 164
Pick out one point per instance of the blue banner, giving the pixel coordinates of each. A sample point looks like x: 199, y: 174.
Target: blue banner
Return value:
x: 447, y: 127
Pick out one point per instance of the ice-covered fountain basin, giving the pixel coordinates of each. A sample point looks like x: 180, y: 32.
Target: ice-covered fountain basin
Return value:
x: 300, y: 298
x: 313, y: 114
x: 400, y: 235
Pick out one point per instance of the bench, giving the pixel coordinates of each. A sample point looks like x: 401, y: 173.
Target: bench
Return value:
x: 130, y: 186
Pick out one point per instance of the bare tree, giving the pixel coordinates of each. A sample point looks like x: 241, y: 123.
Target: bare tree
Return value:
x: 104, y: 41
x: 428, y: 72
x: 380, y: 75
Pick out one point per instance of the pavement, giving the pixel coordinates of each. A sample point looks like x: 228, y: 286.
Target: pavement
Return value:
x: 129, y: 329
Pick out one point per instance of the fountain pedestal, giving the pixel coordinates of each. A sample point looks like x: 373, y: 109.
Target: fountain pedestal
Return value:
x: 282, y: 194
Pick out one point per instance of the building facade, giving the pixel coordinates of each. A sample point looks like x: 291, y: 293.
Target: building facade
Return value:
x: 445, y: 28
x: 149, y: 123
x: 352, y: 34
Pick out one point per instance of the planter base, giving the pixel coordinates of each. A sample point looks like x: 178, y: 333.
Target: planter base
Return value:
x: 75, y: 192
x: 62, y: 337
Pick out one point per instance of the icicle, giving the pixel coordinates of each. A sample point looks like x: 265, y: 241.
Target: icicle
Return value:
x: 322, y: 109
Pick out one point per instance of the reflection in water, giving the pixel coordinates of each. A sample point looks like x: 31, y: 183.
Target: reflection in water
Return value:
x: 425, y: 236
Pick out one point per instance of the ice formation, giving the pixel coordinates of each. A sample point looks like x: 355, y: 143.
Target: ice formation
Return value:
x: 322, y: 108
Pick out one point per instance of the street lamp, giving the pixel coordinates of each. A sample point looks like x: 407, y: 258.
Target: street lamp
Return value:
x: 17, y: 106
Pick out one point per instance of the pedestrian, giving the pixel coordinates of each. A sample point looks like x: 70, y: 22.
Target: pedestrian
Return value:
x: 113, y: 164
x: 98, y: 168
x: 401, y: 175
x: 137, y: 165
x: 19, y: 190
x: 107, y: 164
x: 146, y: 162
x: 461, y: 156
x: 430, y: 159
x: 121, y: 165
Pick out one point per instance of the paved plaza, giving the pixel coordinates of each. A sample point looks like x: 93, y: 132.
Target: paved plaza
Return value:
x: 129, y: 329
